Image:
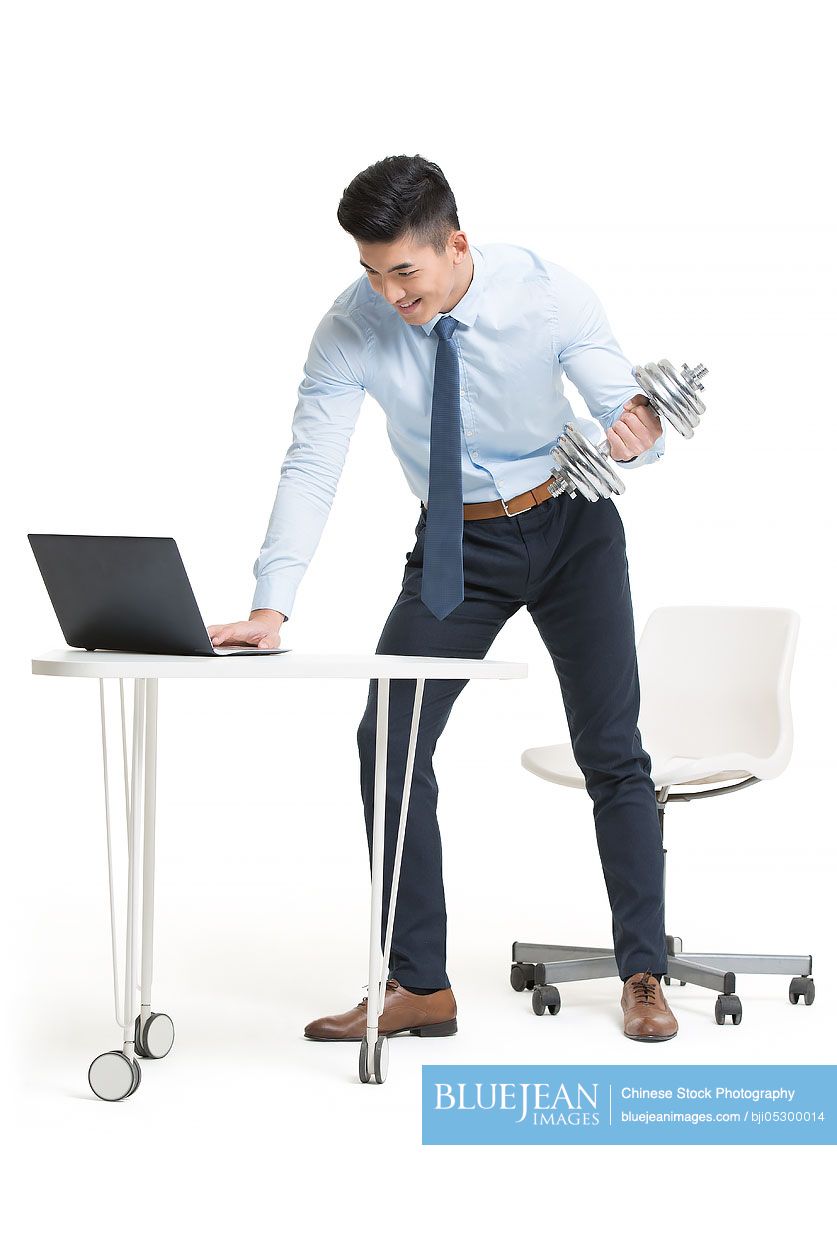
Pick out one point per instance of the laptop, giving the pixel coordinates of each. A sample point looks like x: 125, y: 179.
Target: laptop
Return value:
x: 125, y: 593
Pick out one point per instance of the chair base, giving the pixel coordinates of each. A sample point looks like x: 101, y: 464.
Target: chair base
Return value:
x: 539, y: 968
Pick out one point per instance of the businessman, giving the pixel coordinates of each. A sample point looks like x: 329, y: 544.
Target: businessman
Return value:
x: 464, y: 348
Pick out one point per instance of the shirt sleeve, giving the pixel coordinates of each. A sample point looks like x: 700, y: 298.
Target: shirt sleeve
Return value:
x: 329, y: 400
x: 592, y: 359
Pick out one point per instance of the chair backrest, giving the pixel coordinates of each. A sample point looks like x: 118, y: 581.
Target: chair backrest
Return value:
x: 716, y: 680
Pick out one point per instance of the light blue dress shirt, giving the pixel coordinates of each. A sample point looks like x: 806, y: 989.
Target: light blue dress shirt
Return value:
x: 525, y: 323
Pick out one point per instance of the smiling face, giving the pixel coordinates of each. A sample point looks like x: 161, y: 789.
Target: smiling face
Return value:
x: 417, y: 277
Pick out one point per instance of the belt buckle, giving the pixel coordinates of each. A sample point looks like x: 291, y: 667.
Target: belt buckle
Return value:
x: 509, y: 514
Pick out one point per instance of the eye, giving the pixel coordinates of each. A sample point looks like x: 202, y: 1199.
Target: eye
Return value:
x: 402, y: 274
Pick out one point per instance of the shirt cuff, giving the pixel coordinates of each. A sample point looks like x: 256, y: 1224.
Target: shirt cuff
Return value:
x: 653, y: 454
x: 273, y: 594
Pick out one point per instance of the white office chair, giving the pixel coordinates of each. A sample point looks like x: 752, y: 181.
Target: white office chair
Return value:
x: 715, y: 711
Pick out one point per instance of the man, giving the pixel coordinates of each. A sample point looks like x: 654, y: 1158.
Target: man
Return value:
x: 464, y: 348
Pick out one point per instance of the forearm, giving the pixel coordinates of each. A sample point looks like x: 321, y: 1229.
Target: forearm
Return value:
x: 293, y: 534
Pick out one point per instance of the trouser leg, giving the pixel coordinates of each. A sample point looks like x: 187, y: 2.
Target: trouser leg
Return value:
x: 418, y: 956
x: 580, y: 602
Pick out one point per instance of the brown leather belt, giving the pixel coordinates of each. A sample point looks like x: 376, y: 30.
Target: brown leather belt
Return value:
x: 517, y: 505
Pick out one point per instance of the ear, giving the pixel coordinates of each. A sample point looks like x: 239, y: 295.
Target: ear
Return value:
x: 459, y: 242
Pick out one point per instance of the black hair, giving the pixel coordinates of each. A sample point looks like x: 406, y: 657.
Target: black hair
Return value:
x: 399, y: 196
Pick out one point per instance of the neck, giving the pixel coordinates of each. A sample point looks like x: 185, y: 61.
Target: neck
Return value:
x: 457, y: 296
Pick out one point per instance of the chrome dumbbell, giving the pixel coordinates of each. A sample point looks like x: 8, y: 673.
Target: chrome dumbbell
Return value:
x: 584, y: 467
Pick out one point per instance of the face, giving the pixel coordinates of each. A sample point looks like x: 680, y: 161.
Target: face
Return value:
x: 403, y: 273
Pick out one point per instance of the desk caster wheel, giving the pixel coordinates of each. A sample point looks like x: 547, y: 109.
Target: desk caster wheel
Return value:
x: 728, y: 1005
x: 546, y: 998
x: 363, y: 1062
x: 522, y: 977
x: 380, y: 1059
x: 804, y: 986
x: 113, y: 1076
x: 156, y: 1039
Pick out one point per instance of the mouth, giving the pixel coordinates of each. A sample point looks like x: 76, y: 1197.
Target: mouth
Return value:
x: 409, y: 306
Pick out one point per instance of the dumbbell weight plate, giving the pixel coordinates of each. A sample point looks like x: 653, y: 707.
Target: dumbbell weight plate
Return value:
x: 586, y: 466
x: 671, y: 395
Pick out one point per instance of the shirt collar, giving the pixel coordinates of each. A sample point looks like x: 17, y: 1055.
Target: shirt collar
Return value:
x: 467, y: 308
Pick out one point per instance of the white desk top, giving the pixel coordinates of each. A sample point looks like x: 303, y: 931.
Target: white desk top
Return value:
x: 104, y: 664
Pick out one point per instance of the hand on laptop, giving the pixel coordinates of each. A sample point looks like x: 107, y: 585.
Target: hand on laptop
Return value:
x: 260, y: 631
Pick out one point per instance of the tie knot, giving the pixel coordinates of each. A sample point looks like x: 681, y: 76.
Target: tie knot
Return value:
x: 445, y: 327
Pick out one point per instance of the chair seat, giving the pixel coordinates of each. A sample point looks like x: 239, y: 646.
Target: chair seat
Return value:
x: 557, y: 764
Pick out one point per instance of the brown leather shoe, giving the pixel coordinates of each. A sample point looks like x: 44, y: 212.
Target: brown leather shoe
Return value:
x: 423, y: 1015
x: 648, y: 1017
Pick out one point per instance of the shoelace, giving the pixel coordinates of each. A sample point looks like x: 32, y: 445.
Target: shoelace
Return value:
x: 644, y: 987
x: 391, y: 984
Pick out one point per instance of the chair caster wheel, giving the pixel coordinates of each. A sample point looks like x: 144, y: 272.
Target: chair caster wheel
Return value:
x: 113, y: 1076
x: 546, y: 998
x: 522, y: 977
x: 804, y: 986
x: 363, y: 1062
x: 156, y: 1039
x: 728, y: 1005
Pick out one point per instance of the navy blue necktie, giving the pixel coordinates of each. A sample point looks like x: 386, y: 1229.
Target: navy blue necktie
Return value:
x: 442, y: 585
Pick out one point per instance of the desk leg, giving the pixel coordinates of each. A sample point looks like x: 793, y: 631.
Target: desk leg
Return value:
x: 374, y: 1050
x: 154, y: 1030
x: 116, y: 1074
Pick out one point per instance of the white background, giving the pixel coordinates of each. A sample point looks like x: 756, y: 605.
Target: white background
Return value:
x: 171, y: 176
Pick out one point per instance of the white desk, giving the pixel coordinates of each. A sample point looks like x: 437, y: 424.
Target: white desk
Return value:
x: 148, y: 1034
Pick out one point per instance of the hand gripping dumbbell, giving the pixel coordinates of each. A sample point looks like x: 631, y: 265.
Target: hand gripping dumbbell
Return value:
x: 587, y: 468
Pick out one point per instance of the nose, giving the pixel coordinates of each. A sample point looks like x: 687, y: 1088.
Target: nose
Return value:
x: 399, y: 293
